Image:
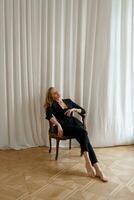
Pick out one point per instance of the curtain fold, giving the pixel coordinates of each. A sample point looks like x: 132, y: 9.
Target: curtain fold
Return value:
x: 85, y: 49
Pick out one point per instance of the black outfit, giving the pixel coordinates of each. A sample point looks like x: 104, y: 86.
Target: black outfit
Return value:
x: 72, y: 126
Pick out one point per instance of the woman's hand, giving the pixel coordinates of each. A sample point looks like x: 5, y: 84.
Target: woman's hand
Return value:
x: 69, y: 111
x: 60, y: 131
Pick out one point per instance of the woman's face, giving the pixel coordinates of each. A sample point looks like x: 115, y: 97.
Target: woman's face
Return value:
x: 55, y: 94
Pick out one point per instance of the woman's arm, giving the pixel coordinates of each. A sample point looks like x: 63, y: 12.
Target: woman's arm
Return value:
x: 74, y: 108
x: 54, y: 120
x: 60, y: 130
x: 78, y: 108
x: 71, y: 110
x: 50, y: 116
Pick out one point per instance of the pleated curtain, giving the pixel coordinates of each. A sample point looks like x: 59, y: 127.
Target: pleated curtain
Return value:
x: 85, y: 48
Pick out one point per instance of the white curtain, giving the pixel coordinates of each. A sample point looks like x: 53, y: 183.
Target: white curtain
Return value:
x: 85, y: 48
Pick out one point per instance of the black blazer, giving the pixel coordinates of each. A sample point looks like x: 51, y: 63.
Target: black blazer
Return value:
x: 56, y: 110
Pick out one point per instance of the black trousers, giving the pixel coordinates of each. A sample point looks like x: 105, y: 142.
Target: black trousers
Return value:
x: 81, y: 136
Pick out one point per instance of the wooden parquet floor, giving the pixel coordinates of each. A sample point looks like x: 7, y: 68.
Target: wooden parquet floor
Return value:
x: 33, y: 174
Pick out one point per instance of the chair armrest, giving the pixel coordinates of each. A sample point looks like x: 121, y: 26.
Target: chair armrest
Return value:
x: 83, y: 118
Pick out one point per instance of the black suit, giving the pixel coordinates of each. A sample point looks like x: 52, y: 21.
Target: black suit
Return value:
x: 71, y: 125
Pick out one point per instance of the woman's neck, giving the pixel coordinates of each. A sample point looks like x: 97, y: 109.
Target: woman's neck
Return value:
x: 59, y: 100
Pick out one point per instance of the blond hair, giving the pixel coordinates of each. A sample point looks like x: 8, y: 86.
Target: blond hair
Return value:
x: 49, y: 99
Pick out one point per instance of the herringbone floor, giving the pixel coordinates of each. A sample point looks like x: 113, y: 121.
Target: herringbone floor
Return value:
x: 33, y: 174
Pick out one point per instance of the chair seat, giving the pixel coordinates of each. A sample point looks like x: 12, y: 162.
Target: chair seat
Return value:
x: 54, y: 135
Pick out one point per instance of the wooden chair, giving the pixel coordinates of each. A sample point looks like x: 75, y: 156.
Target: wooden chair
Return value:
x: 53, y: 134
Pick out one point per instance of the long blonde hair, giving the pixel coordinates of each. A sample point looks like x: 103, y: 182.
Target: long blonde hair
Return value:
x: 49, y: 99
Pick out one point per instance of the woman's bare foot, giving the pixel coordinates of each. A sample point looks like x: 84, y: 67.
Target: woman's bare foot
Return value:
x: 101, y: 176
x: 99, y: 173
x: 90, y: 170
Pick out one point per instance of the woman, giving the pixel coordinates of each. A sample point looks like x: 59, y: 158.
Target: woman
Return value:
x: 59, y: 111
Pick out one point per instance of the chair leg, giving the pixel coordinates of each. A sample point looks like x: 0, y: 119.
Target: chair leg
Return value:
x: 57, y: 148
x: 69, y: 143
x: 50, y: 142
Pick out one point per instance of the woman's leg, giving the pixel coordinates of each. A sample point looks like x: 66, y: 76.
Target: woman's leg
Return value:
x: 91, y: 162
x: 90, y: 170
x: 91, y: 152
x: 99, y: 172
x: 87, y: 150
x: 82, y: 137
x: 94, y: 161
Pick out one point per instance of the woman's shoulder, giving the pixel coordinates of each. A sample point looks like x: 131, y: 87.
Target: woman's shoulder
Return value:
x: 66, y: 99
x: 52, y: 104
